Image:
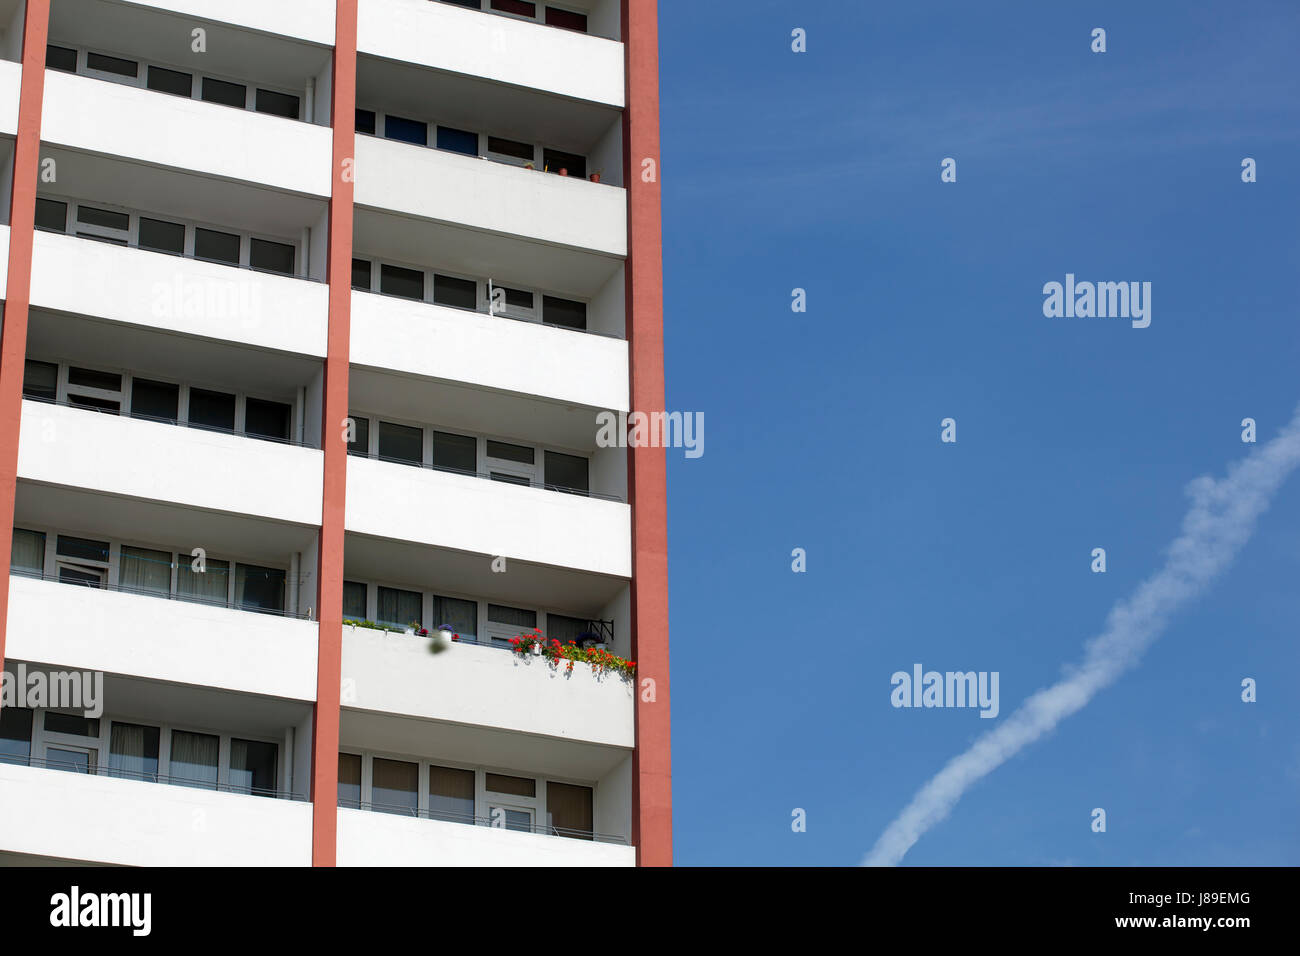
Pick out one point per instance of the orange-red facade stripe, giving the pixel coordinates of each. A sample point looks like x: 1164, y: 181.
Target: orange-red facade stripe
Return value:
x: 329, y: 666
x: 22, y: 219
x: 652, y: 792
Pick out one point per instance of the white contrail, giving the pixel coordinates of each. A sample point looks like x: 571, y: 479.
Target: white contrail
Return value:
x: 1219, y: 522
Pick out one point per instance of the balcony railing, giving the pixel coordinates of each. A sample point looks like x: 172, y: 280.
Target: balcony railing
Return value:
x: 595, y: 632
x: 20, y: 760
x: 478, y: 821
x: 512, y: 480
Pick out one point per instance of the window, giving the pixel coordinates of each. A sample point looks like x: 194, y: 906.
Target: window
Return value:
x: 61, y: 58
x: 170, y: 81
x: 91, y: 378
x: 267, y: 256
x: 406, y: 283
x: 471, y: 4
x: 454, y: 292
x: 399, y: 608
x: 455, y: 452
x: 72, y: 759
x: 159, y: 401
x: 520, y: 8
x: 451, y: 794
x: 266, y: 419
x: 252, y: 767
x: 28, y: 551
x: 394, y: 786
x: 212, y: 410
x: 74, y: 725
x: 401, y: 443
x: 361, y: 276
x: 567, y: 472
x: 40, y: 380
x: 517, y: 303
x: 350, y: 781
x: 209, y: 583
x: 145, y: 571
x: 514, y: 817
x: 83, y: 549
x: 51, y: 215
x: 133, y: 752
x: 216, y: 246
x: 507, y: 622
x: 406, y: 130
x: 510, y: 463
x: 15, y: 735
x: 365, y: 120
x: 360, y: 444
x: 556, y: 160
x: 194, y: 759
x: 258, y: 588
x: 458, y: 140
x: 105, y: 225
x: 227, y: 94
x: 277, y: 104
x: 569, y: 810
x: 564, y: 312
x: 510, y: 151
x: 566, y: 19
x: 354, y: 600
x: 565, y: 629
x: 117, y: 66
x: 81, y: 561
x: 159, y: 236
x: 460, y: 615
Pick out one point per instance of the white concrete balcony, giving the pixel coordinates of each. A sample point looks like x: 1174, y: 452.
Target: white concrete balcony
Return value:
x: 470, y: 514
x: 455, y: 345
x: 137, y: 635
x: 439, y: 186
x: 100, y: 819
x: 310, y: 20
x: 367, y: 838
x: 96, y: 116
x: 480, y: 686
x: 11, y: 75
x: 186, y: 296
x: 445, y: 37
x: 116, y: 455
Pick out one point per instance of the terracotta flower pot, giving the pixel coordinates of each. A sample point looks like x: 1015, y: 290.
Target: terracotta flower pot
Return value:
x: 595, y: 177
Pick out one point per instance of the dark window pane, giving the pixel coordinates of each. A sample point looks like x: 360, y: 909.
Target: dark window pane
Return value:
x: 555, y: 160
x: 133, y: 751
x: 569, y: 810
x: 521, y: 7
x: 15, y: 735
x: 253, y: 767
x: 216, y: 246
x: 91, y: 216
x: 106, y: 239
x: 564, y: 312
x: 361, y: 275
x: 451, y: 794
x: 73, y: 724
x: 270, y: 256
x: 519, y: 786
x: 90, y: 378
x: 399, y: 608
x: 40, y: 380
x: 61, y: 58
x: 227, y: 94
x: 366, y: 121
x: 277, y: 104
x: 406, y: 130
x: 52, y: 214
x: 457, y: 293
x: 460, y: 615
x: 566, y: 630
x: 214, y: 410
x: 458, y: 140
x: 350, y: 780
x: 81, y: 578
x: 509, y: 479
x: 157, y: 400
x: 265, y: 419
x: 402, y: 443
x: 407, y: 283
x: 517, y: 616
x: 567, y: 471
x: 170, y: 81
x: 471, y: 4
x: 162, y: 236
x: 566, y: 19
x: 360, y: 444
x: 508, y: 452
x: 83, y: 548
x: 259, y: 588
x: 509, y: 147
x: 354, y: 600
x: 112, y: 64
x: 456, y: 452
x: 95, y: 404
x: 394, y: 787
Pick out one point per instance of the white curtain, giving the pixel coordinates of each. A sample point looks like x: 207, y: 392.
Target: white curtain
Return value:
x: 145, y: 570
x: 126, y: 752
x: 207, y: 587
x: 399, y: 608
x: 28, y: 551
x: 194, y: 759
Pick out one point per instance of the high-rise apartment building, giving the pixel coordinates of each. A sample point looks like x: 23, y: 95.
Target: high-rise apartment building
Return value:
x: 312, y: 309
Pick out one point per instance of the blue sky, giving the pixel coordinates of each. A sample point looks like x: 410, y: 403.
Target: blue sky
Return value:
x: 821, y: 171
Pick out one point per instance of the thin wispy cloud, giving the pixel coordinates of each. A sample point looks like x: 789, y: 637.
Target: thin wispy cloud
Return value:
x: 1220, y: 520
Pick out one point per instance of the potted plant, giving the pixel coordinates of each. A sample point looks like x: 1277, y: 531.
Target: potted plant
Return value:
x: 529, y: 166
x: 564, y: 171
x: 595, y: 177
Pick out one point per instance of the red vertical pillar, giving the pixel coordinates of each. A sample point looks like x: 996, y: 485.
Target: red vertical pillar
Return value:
x: 22, y: 224
x: 652, y: 789
x: 329, y: 666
